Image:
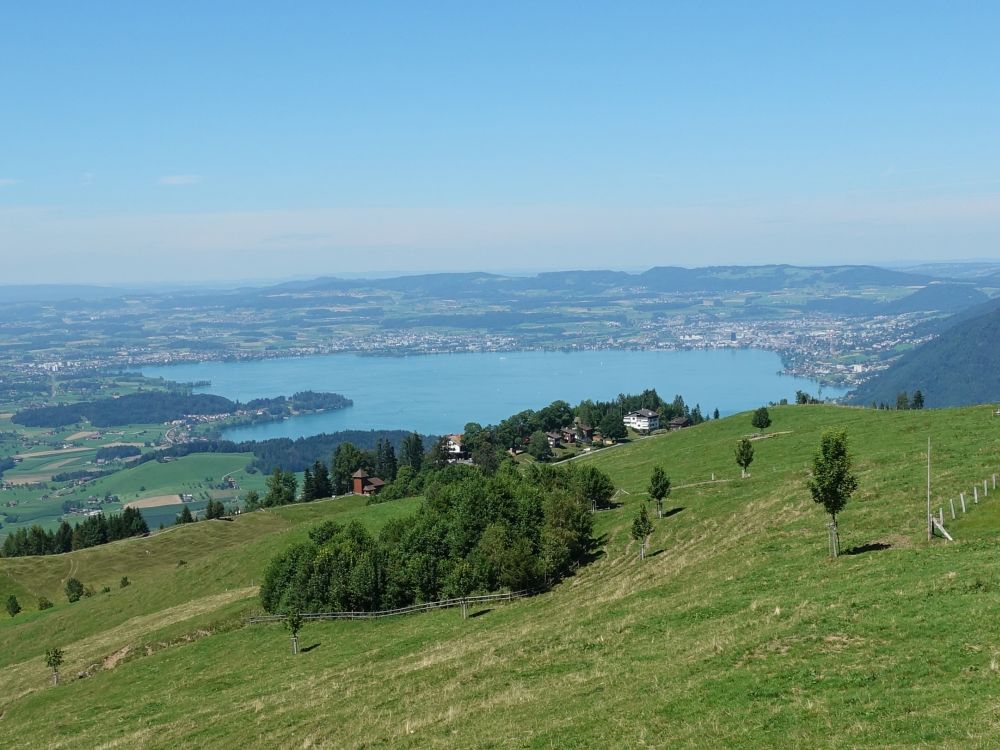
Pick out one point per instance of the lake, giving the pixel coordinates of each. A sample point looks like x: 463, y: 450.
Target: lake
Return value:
x: 440, y: 393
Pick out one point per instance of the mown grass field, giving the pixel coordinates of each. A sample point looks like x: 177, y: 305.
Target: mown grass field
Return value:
x: 736, y: 631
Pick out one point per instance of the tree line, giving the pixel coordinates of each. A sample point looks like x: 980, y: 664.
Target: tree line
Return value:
x: 293, y: 455
x: 474, y: 533
x: 92, y: 531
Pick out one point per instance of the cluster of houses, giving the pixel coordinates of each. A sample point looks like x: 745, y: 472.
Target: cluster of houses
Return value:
x: 642, y: 420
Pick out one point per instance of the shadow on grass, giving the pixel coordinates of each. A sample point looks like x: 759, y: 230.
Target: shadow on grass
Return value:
x: 672, y: 512
x: 596, y: 551
x: 862, y: 548
x: 307, y: 649
x: 480, y: 613
x: 656, y: 554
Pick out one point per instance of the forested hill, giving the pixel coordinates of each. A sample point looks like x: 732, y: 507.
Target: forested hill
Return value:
x: 164, y: 406
x: 960, y: 367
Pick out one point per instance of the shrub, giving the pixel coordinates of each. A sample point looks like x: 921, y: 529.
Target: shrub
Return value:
x: 74, y: 590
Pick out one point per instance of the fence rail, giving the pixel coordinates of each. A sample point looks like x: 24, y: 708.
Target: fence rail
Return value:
x: 412, y: 609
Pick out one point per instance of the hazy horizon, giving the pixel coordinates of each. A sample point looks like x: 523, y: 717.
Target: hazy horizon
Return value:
x: 148, y: 143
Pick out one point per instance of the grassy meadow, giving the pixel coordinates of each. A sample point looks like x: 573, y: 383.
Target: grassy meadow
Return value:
x: 737, y: 630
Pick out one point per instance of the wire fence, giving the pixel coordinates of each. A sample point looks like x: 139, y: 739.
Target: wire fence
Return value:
x: 466, y: 601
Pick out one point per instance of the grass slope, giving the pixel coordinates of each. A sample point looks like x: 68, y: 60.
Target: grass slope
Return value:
x: 737, y: 630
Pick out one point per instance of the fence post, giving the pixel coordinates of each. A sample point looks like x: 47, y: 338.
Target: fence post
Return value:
x: 985, y: 489
x: 951, y: 501
x: 834, y: 539
x: 940, y: 516
x: 975, y: 494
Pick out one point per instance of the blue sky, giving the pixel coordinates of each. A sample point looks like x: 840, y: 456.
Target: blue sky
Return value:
x: 190, y: 140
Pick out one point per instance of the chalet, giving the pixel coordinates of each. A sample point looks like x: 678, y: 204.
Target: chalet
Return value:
x: 584, y: 431
x: 364, y: 484
x: 568, y: 435
x: 555, y: 439
x: 679, y: 423
x: 643, y: 420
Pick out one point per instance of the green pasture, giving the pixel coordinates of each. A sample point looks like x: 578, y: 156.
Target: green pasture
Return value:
x: 737, y: 630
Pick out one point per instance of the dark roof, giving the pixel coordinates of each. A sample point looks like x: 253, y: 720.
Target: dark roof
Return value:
x: 360, y: 474
x: 681, y: 420
x: 375, y: 482
x: 646, y: 413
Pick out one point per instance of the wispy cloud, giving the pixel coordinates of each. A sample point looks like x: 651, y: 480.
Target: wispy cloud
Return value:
x: 179, y: 179
x: 7, y: 182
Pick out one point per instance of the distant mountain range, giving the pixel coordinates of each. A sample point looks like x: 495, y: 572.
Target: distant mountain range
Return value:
x: 959, y: 367
x: 667, y: 279
x: 769, y: 278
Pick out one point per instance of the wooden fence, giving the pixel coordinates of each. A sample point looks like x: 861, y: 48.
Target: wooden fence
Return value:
x: 463, y: 602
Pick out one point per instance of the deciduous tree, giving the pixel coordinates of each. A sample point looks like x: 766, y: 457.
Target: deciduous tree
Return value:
x: 659, y: 488
x: 611, y: 426
x: 642, y: 527
x: 761, y: 418
x: 538, y: 447
x: 832, y: 483
x: 53, y: 660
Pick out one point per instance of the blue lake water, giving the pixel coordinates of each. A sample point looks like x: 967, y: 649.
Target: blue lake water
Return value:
x: 440, y: 393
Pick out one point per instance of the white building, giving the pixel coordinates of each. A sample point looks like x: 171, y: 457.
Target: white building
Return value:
x: 644, y: 420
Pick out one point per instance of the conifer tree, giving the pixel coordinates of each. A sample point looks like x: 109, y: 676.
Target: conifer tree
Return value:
x: 321, y: 480
x: 744, y: 456
x: 185, y: 515
x: 413, y: 452
x: 308, y: 487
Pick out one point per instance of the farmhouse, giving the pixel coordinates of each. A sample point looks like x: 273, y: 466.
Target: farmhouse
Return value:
x: 364, y: 484
x: 678, y: 423
x: 643, y: 419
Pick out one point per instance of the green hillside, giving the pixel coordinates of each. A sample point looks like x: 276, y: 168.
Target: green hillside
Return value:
x: 736, y: 630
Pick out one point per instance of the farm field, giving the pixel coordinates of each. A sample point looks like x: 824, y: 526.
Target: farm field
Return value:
x: 736, y: 630
x: 199, y: 475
